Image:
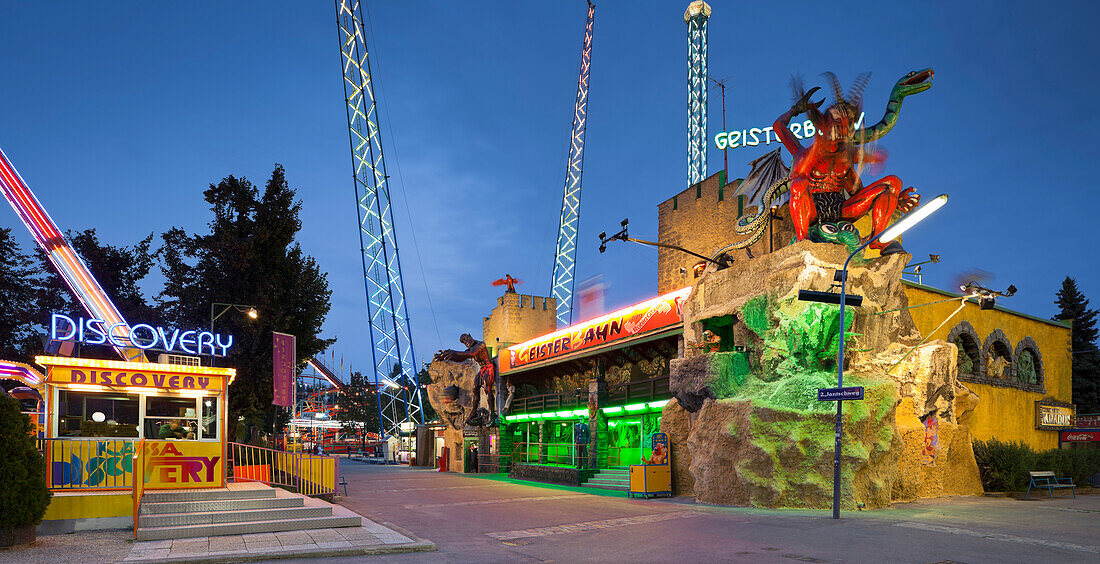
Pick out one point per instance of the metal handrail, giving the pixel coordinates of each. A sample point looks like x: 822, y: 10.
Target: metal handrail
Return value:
x: 308, y: 474
x: 138, y: 468
x: 650, y: 389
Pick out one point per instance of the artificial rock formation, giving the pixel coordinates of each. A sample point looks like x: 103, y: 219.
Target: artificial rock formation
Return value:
x: 755, y: 433
x: 447, y: 373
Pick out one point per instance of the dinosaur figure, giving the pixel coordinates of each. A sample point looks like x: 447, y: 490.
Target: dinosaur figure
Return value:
x: 824, y: 184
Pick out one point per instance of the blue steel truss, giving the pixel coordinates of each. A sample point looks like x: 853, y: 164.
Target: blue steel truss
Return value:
x: 391, y: 343
x: 696, y: 17
x: 565, y: 255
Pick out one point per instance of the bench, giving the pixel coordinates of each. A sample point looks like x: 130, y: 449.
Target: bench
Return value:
x: 1047, y: 480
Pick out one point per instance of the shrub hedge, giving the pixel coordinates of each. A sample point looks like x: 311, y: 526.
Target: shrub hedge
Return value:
x: 1004, y: 467
x: 23, y: 492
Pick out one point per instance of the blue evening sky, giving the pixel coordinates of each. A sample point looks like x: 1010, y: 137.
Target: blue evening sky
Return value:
x: 119, y: 115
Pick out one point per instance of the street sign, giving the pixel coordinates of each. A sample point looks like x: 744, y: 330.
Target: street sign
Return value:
x: 834, y: 394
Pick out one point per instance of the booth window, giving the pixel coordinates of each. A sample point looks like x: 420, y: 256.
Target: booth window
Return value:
x: 97, y: 414
x: 171, y: 418
x: 209, y: 423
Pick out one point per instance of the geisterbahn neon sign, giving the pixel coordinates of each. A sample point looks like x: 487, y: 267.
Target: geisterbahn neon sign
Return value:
x: 752, y: 137
x: 141, y: 335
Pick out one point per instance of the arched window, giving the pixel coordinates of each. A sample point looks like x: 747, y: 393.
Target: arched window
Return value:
x: 998, y: 357
x: 966, y: 339
x: 1029, y: 363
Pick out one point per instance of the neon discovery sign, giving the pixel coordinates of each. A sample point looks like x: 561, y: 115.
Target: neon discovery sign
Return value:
x: 143, y: 336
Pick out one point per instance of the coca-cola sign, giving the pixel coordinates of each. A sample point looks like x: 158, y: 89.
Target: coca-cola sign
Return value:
x: 1080, y: 436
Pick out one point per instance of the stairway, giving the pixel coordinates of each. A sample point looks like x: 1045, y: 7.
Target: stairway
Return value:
x: 615, y: 478
x: 238, y: 509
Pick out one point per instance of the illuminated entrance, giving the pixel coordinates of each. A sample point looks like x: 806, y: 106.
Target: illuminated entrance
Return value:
x: 589, y: 396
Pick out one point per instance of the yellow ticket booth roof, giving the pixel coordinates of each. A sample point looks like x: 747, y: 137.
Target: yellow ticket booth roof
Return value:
x: 116, y: 374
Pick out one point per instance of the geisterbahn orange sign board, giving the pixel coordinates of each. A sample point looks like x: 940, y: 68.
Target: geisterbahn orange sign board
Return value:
x: 650, y: 315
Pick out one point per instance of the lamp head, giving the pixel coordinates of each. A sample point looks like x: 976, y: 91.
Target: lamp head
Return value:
x: 253, y: 313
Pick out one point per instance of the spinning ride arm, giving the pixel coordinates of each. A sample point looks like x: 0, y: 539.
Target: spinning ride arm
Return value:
x: 68, y: 264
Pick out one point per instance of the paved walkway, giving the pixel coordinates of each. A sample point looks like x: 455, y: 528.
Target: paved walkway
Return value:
x: 371, y: 538
x: 118, y: 546
x: 479, y: 519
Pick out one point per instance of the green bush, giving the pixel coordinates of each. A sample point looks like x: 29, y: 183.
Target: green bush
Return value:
x: 1004, y: 467
x: 23, y: 492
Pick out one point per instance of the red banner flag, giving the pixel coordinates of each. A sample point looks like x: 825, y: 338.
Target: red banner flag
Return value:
x: 283, y: 358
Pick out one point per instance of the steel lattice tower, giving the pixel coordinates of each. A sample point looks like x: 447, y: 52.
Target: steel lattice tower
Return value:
x: 696, y: 17
x: 390, y: 336
x: 565, y: 255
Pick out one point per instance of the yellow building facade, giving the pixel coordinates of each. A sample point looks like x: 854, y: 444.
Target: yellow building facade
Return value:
x: 1017, y: 364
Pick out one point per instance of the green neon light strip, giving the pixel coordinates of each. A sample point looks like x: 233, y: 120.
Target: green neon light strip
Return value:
x: 569, y: 414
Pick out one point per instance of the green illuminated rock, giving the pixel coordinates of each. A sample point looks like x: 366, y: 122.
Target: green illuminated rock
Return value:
x: 748, y: 420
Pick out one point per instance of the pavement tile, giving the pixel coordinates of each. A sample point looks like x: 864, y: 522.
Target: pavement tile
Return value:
x: 226, y: 552
x: 303, y: 546
x: 152, y: 554
x: 264, y: 549
x: 226, y: 543
x: 252, y: 537
x: 293, y: 537
x: 353, y: 532
x: 262, y: 544
x: 149, y: 545
x: 334, y: 544
x: 324, y: 535
x: 365, y: 541
x: 394, y: 538
x: 373, y: 527
x: 204, y: 543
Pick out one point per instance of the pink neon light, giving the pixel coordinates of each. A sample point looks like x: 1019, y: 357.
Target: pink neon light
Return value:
x: 76, y: 274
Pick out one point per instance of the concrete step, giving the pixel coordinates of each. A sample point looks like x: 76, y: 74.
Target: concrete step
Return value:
x: 623, y: 483
x: 290, y: 512
x: 621, y: 488
x: 207, y: 495
x: 221, y: 529
x: 613, y: 473
x: 232, y: 516
x: 154, y: 508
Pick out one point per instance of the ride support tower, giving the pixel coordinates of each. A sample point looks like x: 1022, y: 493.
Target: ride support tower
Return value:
x: 388, y: 320
x: 696, y: 16
x: 565, y: 254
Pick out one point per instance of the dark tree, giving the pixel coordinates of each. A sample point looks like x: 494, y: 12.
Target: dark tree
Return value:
x: 358, y: 407
x: 249, y: 256
x: 1086, y: 358
x: 19, y: 287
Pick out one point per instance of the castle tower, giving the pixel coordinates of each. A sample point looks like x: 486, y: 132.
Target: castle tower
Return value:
x: 518, y: 318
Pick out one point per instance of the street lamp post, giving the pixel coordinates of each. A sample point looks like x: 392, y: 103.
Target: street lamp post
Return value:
x: 888, y: 234
x: 248, y: 310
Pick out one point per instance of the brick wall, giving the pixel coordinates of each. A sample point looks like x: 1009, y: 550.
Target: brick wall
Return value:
x: 701, y: 219
x: 517, y: 318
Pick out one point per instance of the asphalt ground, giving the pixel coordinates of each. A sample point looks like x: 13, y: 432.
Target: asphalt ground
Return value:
x: 475, y: 518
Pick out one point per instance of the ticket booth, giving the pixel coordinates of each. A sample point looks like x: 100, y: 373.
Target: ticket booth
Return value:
x: 99, y: 412
x: 653, y: 479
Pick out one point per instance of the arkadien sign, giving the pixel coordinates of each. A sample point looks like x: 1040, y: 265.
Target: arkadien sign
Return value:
x: 662, y: 311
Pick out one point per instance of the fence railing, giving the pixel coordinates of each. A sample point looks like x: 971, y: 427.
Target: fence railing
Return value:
x: 566, y: 454
x: 138, y: 465
x: 309, y: 474
x: 89, y: 464
x: 641, y: 390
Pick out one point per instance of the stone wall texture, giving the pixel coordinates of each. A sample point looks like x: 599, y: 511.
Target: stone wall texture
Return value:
x: 518, y: 318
